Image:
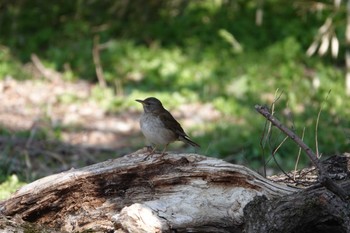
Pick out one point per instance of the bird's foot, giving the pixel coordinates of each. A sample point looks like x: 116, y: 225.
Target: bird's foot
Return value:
x: 163, y: 154
x: 150, y: 148
x: 151, y: 151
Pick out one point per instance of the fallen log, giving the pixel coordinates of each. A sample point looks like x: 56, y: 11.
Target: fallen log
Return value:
x: 179, y: 191
x: 176, y: 193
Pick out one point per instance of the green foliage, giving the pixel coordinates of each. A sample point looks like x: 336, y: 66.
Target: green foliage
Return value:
x: 9, y: 185
x: 9, y: 65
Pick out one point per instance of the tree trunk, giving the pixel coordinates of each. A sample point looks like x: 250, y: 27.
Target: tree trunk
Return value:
x: 176, y: 193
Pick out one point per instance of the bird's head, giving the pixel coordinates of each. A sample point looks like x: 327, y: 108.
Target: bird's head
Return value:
x: 151, y: 104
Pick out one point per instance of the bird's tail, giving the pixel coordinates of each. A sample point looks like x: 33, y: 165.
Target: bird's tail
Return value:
x: 188, y: 141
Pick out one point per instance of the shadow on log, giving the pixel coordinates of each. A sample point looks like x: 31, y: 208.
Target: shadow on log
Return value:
x: 177, y: 193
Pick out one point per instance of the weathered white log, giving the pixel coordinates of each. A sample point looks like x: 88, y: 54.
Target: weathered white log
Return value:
x: 179, y: 191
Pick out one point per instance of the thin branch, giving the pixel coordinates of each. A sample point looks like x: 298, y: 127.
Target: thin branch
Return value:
x: 316, y: 127
x: 262, y: 146
x: 279, y: 146
x: 47, y: 73
x: 97, y: 61
x: 274, y: 157
x: 267, y: 130
x: 323, y: 177
x: 299, y: 152
x: 265, y: 112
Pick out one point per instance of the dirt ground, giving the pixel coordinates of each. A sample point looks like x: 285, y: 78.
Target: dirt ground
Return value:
x: 34, y: 113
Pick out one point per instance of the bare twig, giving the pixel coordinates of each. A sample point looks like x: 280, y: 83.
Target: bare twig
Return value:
x: 262, y: 146
x: 48, y: 73
x: 266, y: 135
x: 279, y: 146
x: 323, y: 176
x: 299, y: 152
x: 97, y: 61
x: 274, y: 158
x: 316, y: 127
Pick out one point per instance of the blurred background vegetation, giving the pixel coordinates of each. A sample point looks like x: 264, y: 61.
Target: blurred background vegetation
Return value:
x: 223, y: 56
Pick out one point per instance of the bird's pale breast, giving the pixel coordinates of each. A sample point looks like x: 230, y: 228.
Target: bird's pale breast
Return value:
x: 155, y: 132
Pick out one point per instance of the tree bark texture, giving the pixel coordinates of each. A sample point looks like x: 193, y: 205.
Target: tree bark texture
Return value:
x: 176, y: 193
x: 314, y: 209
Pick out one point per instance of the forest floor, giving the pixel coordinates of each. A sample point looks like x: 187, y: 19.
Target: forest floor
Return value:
x: 44, y: 134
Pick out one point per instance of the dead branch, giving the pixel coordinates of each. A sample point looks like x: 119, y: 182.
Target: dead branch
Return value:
x: 97, y: 61
x: 323, y: 176
x: 48, y: 73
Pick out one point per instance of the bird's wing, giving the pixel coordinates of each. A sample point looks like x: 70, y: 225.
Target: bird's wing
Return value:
x: 170, y: 123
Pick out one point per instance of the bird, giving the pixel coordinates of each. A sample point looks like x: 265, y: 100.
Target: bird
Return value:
x: 159, y: 127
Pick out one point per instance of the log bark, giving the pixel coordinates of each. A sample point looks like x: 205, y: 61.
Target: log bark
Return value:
x: 179, y: 191
x: 176, y: 193
x: 314, y: 209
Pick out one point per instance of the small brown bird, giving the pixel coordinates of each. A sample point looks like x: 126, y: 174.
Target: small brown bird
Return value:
x: 159, y: 126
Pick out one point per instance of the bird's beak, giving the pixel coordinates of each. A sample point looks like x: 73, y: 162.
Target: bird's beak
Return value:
x: 140, y: 101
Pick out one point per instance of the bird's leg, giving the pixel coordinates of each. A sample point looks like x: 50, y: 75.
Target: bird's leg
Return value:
x: 163, y: 152
x: 149, y: 148
x: 152, y: 150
